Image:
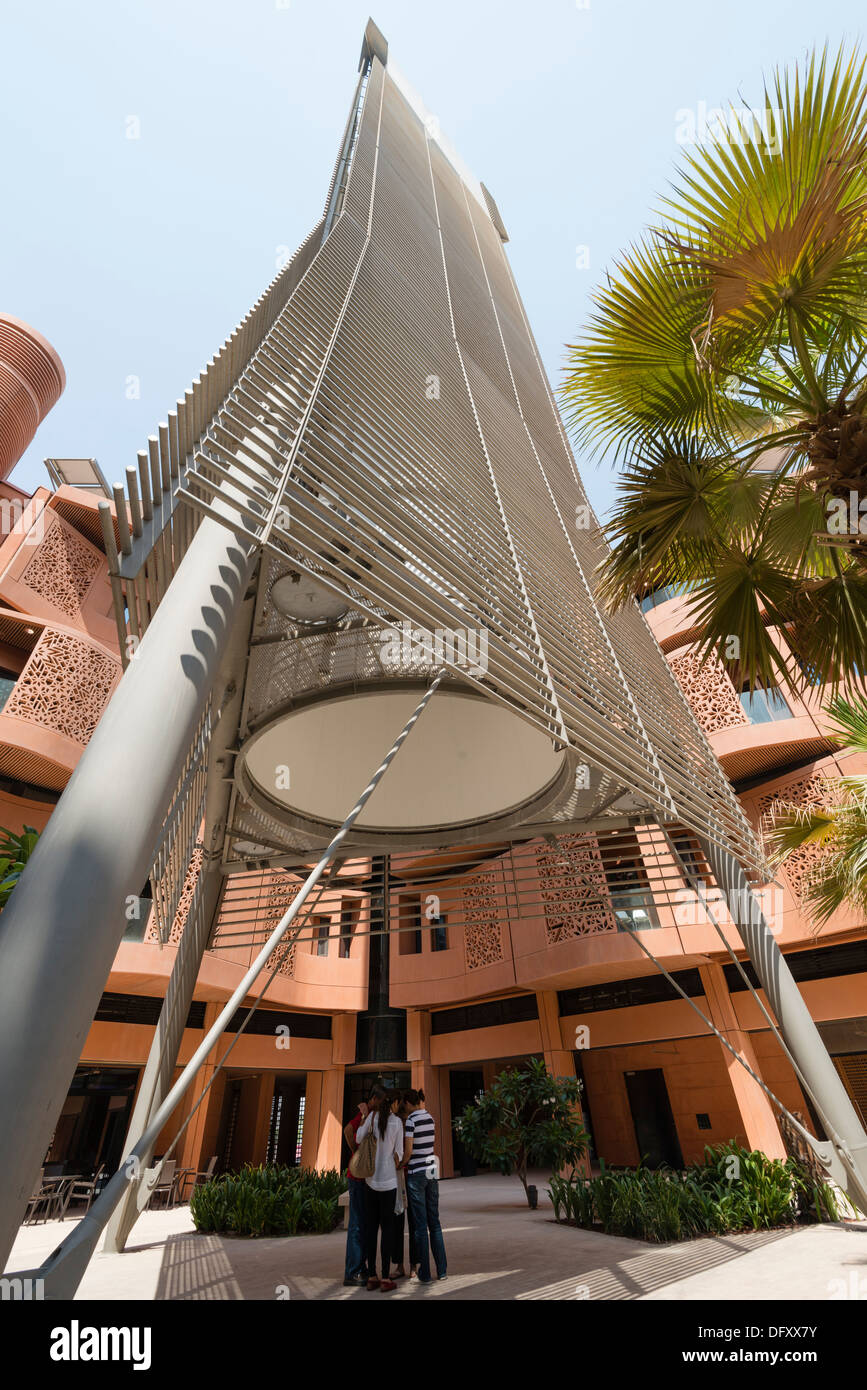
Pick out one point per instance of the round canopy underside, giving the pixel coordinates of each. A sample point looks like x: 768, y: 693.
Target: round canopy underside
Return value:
x: 466, y: 760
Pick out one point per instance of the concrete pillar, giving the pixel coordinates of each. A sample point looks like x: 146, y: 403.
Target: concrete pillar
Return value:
x: 757, y: 1114
x: 558, y: 1059
x: 330, y: 1136
x: 323, y: 1119
x: 262, y: 1121
x: 343, y: 1039
x: 426, y: 1077
x: 192, y: 1149
x: 312, y: 1107
x: 840, y: 1119
x: 160, y: 1071
x: 446, y: 1134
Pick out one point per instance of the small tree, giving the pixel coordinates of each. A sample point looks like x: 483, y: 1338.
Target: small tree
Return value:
x: 527, y: 1118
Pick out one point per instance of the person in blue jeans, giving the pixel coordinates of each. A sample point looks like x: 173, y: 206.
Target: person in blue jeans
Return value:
x: 422, y: 1186
x: 355, y: 1273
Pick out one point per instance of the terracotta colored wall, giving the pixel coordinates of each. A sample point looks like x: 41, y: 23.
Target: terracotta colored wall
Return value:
x: 18, y: 811
x: 778, y: 1074
x: 696, y: 1079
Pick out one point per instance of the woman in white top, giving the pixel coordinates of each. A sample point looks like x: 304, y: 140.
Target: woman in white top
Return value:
x: 382, y: 1186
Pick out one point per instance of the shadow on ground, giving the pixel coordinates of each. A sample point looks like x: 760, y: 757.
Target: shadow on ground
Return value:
x: 496, y: 1250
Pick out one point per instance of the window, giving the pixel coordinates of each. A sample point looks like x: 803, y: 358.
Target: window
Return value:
x: 7, y: 685
x: 810, y: 672
x: 630, y: 895
x: 409, y: 923
x: 301, y: 1104
x: 439, y: 937
x: 493, y: 1014
x: 628, y: 994
x: 321, y: 933
x: 764, y: 704
x: 703, y: 1121
x: 694, y: 866
x: 348, y: 919
x: 661, y: 595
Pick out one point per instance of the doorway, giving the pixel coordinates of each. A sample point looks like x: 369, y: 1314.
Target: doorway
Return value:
x: 655, y: 1130
x: 464, y: 1088
x: 93, y: 1123
x: 286, y: 1121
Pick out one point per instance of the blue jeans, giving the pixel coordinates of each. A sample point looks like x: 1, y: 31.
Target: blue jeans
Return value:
x: 423, y: 1195
x: 356, y: 1232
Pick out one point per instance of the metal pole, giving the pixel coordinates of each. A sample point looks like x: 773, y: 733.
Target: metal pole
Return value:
x: 845, y: 1131
x: 162, y: 1058
x: 64, y: 1268
x: 167, y: 1039
x: 61, y: 930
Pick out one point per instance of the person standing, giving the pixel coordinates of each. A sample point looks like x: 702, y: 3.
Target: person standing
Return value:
x: 401, y: 1109
x: 355, y: 1272
x: 422, y: 1187
x: 381, y: 1187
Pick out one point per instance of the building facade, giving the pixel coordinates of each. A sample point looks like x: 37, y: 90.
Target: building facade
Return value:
x: 506, y: 898
x: 478, y: 959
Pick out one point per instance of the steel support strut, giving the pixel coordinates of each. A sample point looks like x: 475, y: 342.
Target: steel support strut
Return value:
x: 63, y: 1270
x: 61, y: 930
x: 204, y: 911
x: 845, y: 1132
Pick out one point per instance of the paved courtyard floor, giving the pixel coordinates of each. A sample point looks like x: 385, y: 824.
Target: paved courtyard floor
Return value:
x: 497, y: 1249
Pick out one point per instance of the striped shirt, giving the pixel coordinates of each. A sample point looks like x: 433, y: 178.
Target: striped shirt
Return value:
x: 420, y: 1128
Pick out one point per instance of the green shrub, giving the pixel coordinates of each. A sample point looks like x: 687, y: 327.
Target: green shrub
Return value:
x: 732, y: 1189
x: 268, y: 1201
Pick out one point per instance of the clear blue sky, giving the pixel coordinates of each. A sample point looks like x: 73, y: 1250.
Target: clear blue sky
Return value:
x: 137, y: 257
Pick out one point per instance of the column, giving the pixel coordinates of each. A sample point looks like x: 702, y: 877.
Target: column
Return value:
x: 330, y: 1137
x: 558, y: 1059
x: 428, y: 1078
x: 756, y: 1111
x: 191, y: 1152
x: 312, y: 1105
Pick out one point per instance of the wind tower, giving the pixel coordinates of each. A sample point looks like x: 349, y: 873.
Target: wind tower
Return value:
x: 367, y: 496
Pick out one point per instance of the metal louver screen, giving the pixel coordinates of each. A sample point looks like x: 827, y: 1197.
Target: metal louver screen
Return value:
x: 393, y: 433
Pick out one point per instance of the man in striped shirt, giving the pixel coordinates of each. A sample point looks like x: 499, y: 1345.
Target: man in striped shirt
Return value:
x: 422, y: 1186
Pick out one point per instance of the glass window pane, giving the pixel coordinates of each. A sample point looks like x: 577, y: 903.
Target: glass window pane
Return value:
x: 762, y: 706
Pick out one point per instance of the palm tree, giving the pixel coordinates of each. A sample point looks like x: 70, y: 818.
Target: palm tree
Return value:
x: 15, y: 851
x: 839, y: 826
x: 723, y: 368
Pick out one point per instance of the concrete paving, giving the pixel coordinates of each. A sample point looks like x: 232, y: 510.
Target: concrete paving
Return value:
x: 497, y: 1249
